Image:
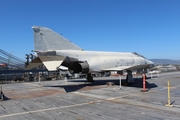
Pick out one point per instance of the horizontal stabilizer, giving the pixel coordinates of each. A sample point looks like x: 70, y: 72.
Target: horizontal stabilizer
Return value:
x: 35, y: 63
x: 52, y: 63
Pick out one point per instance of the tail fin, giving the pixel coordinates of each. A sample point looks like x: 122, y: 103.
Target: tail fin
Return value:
x: 46, y: 39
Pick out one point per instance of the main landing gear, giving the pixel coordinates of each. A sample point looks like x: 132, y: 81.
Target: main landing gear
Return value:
x: 129, y: 77
x: 89, y: 77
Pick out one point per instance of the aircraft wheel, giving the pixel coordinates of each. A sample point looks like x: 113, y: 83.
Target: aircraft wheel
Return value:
x: 90, y: 79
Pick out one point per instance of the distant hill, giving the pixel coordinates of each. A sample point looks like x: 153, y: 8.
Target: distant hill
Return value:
x: 178, y: 60
x: 165, y: 61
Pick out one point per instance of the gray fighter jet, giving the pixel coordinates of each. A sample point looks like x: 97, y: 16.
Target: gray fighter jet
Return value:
x: 53, y: 50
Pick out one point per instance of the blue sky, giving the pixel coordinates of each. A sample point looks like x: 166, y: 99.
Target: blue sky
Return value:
x: 149, y: 27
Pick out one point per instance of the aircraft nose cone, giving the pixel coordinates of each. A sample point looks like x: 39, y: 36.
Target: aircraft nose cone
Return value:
x: 35, y: 28
x: 150, y: 63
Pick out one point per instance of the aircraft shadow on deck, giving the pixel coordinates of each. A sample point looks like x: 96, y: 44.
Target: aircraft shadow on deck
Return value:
x: 72, y: 88
x: 138, y: 83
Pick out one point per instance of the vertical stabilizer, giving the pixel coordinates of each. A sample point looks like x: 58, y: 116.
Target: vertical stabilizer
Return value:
x: 46, y: 39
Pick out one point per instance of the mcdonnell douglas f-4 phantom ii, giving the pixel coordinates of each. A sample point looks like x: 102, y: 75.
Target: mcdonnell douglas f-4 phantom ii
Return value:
x: 53, y: 50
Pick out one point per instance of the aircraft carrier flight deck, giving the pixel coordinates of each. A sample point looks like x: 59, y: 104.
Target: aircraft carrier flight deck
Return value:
x: 76, y: 99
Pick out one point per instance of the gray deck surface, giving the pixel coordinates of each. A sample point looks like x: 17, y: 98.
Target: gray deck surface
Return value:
x: 78, y: 100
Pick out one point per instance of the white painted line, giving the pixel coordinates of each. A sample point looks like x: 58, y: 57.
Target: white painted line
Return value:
x: 47, y: 109
x: 90, y: 95
x: 33, y: 84
x: 112, y: 98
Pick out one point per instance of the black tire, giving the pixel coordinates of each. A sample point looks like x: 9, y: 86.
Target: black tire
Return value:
x: 90, y: 79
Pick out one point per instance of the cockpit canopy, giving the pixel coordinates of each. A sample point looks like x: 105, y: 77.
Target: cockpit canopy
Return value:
x: 135, y: 53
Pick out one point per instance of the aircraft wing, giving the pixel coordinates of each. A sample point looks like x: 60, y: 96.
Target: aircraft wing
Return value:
x: 120, y: 68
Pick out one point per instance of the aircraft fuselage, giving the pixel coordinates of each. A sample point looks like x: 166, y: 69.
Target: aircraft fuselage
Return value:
x: 99, y: 61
